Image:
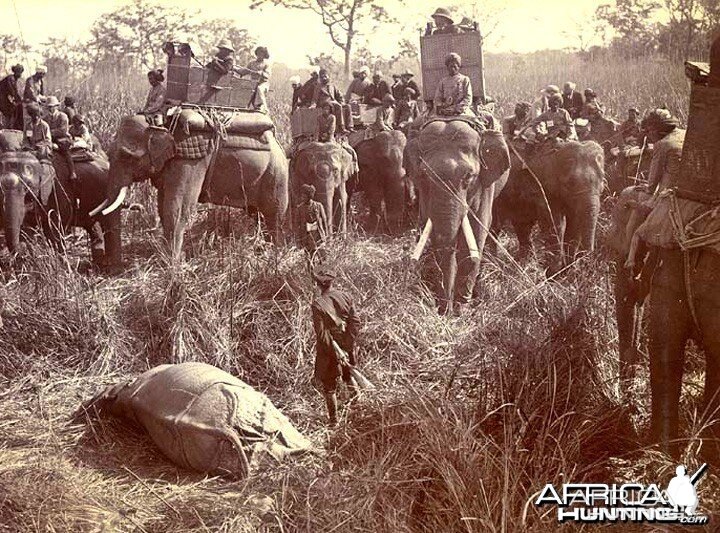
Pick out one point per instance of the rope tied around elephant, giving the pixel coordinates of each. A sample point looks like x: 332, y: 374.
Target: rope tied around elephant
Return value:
x: 688, y: 239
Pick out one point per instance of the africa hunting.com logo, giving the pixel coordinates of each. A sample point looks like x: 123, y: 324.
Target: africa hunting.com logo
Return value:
x: 629, y: 502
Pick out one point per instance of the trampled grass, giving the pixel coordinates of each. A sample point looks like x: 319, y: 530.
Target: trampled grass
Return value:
x: 471, y: 418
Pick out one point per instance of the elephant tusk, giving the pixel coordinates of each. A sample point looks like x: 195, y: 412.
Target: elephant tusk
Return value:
x: 470, y: 238
x: 420, y: 246
x: 99, y: 208
x: 118, y: 201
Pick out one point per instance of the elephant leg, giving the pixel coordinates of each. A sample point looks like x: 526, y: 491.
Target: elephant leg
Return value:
x: 706, y: 302
x: 581, y: 223
x: 670, y: 326
x: 628, y: 313
x: 395, y: 207
x: 553, y: 235
x: 13, y: 214
x: 341, y: 198
x: 160, y: 201
x: 469, y: 267
x: 523, y: 228
x: 113, y: 238
x: 182, y: 187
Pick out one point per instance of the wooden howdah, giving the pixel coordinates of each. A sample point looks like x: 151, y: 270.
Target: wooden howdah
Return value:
x: 303, y: 122
x: 435, y: 48
x: 700, y: 164
x: 191, y: 83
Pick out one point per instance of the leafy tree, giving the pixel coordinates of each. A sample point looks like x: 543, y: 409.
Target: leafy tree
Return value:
x: 632, y: 24
x: 138, y: 30
x: 343, y: 19
x: 209, y: 33
x: 13, y: 51
x: 690, y: 29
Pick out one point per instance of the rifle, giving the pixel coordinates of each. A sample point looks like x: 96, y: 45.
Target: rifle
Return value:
x: 344, y: 360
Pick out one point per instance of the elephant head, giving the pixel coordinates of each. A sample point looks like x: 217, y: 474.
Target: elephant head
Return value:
x: 454, y: 166
x: 137, y: 152
x: 328, y: 167
x: 19, y: 186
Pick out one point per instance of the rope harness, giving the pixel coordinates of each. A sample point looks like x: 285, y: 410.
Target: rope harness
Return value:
x: 689, y: 239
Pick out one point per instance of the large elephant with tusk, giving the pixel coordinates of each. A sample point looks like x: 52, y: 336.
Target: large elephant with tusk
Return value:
x: 249, y: 170
x: 458, y: 170
x: 40, y: 193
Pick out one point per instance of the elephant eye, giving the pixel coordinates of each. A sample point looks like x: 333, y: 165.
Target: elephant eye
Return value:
x: 466, y: 179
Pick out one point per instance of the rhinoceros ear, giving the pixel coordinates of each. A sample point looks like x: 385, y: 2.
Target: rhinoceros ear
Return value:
x: 161, y: 147
x: 494, y: 157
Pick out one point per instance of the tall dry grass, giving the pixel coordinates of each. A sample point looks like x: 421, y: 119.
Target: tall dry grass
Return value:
x: 472, y: 416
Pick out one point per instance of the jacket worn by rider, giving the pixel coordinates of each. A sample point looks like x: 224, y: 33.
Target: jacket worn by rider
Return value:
x: 34, y: 89
x: 573, y: 103
x: 155, y: 99
x: 9, y: 95
x: 375, y: 92
x: 37, y: 138
x: 334, y: 318
x: 59, y: 126
x: 665, y: 164
x: 453, y: 95
x: 557, y: 123
x: 326, y: 93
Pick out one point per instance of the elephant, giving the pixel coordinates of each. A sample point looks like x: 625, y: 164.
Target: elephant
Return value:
x: 680, y: 293
x: 458, y: 171
x: 50, y: 202
x: 382, y: 178
x: 328, y: 167
x: 560, y: 188
x: 248, y: 170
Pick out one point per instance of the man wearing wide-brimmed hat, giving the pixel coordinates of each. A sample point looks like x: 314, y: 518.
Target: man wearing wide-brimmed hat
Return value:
x: 406, y: 79
x: 444, y: 22
x: 335, y: 323
x: 223, y: 60
x: 10, y: 101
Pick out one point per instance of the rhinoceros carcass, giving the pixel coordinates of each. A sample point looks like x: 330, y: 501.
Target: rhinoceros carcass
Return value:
x: 203, y: 418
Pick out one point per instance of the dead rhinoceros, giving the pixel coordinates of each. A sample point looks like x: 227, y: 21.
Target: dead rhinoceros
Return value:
x: 203, y: 418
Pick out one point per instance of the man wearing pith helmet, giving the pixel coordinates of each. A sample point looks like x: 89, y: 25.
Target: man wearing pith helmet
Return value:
x: 444, y: 23
x: 223, y: 61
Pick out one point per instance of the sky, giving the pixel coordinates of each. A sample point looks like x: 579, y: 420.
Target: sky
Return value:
x: 525, y: 25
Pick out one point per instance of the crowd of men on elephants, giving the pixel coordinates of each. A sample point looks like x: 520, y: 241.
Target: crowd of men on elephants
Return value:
x: 448, y: 156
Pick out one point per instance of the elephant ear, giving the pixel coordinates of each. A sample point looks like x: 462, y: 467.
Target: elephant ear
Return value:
x: 494, y: 157
x: 161, y: 148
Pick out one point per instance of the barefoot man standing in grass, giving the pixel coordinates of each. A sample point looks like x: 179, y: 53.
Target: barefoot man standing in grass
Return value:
x: 336, y: 327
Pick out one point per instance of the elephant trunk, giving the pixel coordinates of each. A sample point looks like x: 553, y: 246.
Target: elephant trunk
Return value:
x: 13, y: 212
x: 447, y: 214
